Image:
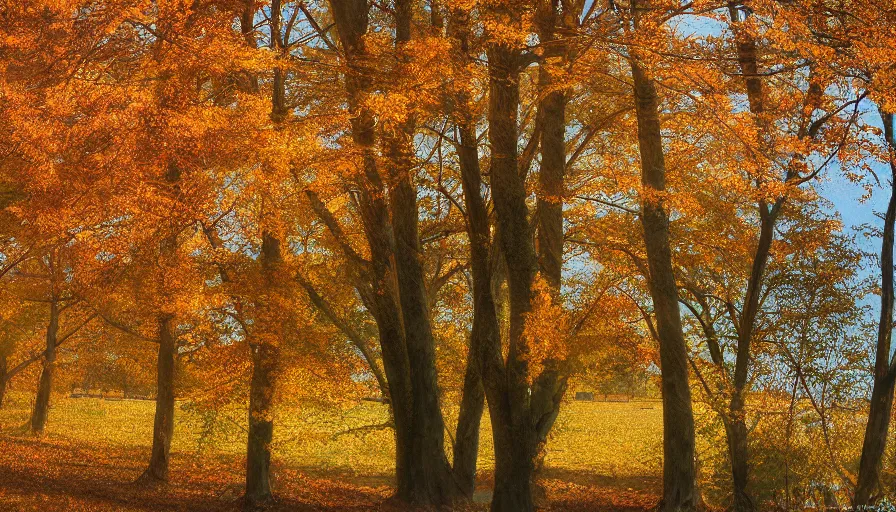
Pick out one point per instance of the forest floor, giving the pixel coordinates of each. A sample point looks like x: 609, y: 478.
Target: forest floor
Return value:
x: 602, y: 457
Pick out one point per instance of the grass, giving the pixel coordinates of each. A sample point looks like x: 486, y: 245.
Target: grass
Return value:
x: 605, y: 451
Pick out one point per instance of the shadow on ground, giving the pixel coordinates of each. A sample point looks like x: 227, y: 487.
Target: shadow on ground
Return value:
x: 53, y: 475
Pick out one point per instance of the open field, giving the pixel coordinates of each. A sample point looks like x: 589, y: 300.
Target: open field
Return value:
x: 603, y: 456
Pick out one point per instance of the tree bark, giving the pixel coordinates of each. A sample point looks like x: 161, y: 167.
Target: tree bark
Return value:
x: 507, y: 390
x: 522, y: 414
x: 736, y: 433
x: 679, y: 493
x: 432, y: 476
x: 163, y: 425
x: 551, y: 384
x: 736, y: 429
x: 271, y: 329
x: 400, y: 304
x: 45, y: 385
x: 466, y: 439
x: 485, y: 338
x: 485, y: 330
x: 265, y: 365
x: 261, y: 424
x: 881, y: 409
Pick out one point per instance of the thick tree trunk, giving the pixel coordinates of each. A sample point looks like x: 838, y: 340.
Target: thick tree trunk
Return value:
x: 507, y: 389
x: 679, y: 493
x: 551, y: 384
x: 163, y: 426
x: 422, y: 470
x: 884, y: 372
x: 549, y: 215
x: 485, y: 338
x: 432, y: 475
x: 434, y: 480
x: 398, y: 377
x: 513, y: 476
x: 522, y: 414
x: 45, y: 385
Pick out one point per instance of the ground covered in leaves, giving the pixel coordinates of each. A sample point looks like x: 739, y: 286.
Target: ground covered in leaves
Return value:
x: 96, y: 449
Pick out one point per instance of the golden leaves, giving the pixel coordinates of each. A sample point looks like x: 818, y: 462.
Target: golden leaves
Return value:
x: 546, y: 329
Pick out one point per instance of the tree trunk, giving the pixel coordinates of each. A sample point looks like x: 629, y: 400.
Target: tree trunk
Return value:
x: 884, y: 372
x: 432, y: 475
x: 434, y: 480
x: 398, y: 377
x: 522, y: 414
x: 507, y: 388
x: 271, y: 321
x: 738, y: 446
x: 551, y: 384
x: 261, y: 424
x: 513, y: 476
x: 400, y: 304
x: 163, y: 426
x: 679, y: 493
x: 466, y: 439
x: 485, y: 331
x: 45, y: 385
x: 875, y: 442
x: 265, y: 365
x: 736, y: 432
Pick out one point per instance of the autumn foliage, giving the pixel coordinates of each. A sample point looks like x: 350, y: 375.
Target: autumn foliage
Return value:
x: 265, y: 216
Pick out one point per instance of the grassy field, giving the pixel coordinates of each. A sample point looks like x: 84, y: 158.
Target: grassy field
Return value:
x: 603, y: 456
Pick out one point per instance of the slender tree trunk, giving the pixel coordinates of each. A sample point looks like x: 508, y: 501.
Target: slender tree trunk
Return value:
x: 485, y: 331
x: 551, y: 384
x: 736, y: 427
x: 163, y: 426
x: 736, y: 432
x: 261, y: 424
x: 265, y: 365
x: 738, y: 446
x: 884, y: 372
x: 45, y: 385
x: 679, y: 493
x: 874, y: 445
x: 271, y: 321
x: 466, y: 439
